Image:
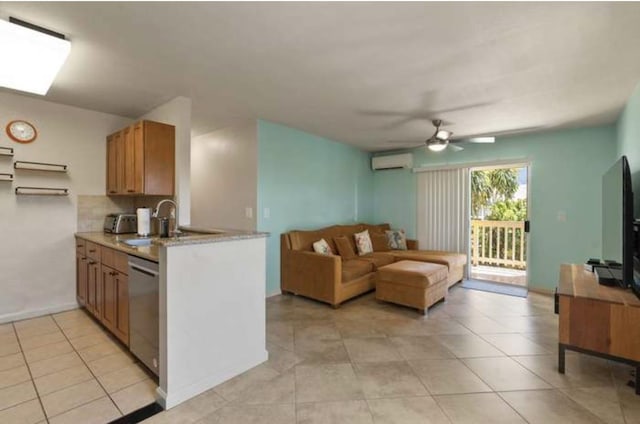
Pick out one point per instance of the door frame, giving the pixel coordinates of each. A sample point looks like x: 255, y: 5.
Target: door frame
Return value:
x: 500, y: 164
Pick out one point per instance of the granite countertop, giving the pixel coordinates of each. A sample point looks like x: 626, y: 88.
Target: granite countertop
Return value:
x: 194, y: 235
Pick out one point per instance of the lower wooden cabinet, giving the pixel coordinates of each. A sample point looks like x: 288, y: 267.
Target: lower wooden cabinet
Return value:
x: 102, y: 287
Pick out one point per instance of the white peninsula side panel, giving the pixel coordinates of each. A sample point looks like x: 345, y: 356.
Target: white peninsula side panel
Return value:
x: 212, y: 315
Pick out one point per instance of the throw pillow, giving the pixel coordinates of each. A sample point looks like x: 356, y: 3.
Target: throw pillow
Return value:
x: 380, y: 243
x: 397, y: 239
x: 363, y: 242
x: 322, y: 247
x: 345, y: 248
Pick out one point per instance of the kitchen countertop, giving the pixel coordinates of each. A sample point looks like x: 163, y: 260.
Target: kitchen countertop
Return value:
x: 152, y: 252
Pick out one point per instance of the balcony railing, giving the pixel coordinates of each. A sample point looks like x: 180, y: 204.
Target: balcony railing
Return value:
x: 499, y: 243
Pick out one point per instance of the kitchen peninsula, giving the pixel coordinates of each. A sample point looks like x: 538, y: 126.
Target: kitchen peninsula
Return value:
x: 211, y: 302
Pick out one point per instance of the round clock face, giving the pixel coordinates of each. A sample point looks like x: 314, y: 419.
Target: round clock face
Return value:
x: 21, y: 131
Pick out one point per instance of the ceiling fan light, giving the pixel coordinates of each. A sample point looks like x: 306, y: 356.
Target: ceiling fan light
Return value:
x: 437, y: 147
x: 31, y: 59
x: 443, y: 134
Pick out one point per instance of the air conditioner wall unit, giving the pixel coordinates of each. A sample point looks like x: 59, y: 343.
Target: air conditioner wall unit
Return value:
x: 404, y: 160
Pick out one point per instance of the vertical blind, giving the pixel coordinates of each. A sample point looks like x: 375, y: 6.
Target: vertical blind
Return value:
x: 443, y: 210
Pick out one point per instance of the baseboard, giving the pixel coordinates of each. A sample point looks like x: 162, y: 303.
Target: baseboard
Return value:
x: 176, y: 397
x: 546, y: 292
x: 37, y: 312
x: 275, y: 293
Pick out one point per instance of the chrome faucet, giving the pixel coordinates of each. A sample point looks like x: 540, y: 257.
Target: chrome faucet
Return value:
x: 176, y: 231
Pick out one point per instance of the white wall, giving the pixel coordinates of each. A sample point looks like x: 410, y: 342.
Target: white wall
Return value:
x: 178, y: 112
x: 224, y: 177
x: 37, y: 254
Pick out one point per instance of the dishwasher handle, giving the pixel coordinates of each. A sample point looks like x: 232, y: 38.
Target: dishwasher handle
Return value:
x: 144, y: 270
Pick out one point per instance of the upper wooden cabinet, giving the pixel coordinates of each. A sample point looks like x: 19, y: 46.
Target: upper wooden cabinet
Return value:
x: 141, y: 160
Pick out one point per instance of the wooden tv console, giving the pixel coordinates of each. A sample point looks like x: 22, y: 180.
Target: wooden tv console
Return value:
x: 597, y: 320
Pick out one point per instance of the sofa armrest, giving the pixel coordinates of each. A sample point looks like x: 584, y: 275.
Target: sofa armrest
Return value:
x: 313, y: 274
x: 412, y: 244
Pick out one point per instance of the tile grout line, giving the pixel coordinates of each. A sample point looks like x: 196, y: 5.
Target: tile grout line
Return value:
x: 33, y: 382
x: 95, y: 377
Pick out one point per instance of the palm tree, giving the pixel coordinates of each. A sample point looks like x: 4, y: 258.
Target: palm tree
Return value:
x: 488, y: 187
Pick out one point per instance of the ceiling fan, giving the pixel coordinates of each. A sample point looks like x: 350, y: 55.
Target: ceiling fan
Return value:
x: 441, y: 139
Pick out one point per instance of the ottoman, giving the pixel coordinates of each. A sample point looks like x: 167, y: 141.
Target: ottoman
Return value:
x: 411, y: 283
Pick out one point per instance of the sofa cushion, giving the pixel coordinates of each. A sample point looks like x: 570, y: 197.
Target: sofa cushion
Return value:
x: 322, y: 247
x: 380, y: 242
x: 378, y: 259
x: 397, y: 239
x: 434, y: 256
x: 412, y: 273
x: 345, y: 247
x: 355, y: 268
x: 363, y: 242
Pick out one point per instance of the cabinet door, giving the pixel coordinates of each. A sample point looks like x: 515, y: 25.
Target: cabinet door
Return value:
x: 94, y: 286
x: 81, y: 279
x: 112, y: 165
x: 119, y: 140
x: 134, y: 159
x: 109, y: 298
x: 121, y: 328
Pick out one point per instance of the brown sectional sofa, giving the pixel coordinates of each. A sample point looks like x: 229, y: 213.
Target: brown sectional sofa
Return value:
x: 333, y: 279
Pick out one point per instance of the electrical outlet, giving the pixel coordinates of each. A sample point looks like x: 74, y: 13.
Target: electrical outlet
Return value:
x: 248, y: 212
x: 266, y: 213
x: 562, y: 216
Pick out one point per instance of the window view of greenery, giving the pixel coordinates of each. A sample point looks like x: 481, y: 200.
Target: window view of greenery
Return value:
x: 498, y: 212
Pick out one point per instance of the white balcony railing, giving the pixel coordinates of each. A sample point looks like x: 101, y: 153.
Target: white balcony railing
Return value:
x: 499, y: 243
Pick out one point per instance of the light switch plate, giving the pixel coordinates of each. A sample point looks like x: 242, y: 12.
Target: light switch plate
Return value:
x: 248, y: 212
x: 266, y: 213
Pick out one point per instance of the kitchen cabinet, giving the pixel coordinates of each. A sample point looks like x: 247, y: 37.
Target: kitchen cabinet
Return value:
x: 81, y: 279
x: 94, y: 288
x: 141, y: 160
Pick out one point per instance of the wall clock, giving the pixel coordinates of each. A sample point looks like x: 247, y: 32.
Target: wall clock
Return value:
x: 21, y: 131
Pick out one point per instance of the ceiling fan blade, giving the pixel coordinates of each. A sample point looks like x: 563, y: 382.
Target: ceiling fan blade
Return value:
x: 408, y: 144
x: 455, y: 148
x: 482, y: 140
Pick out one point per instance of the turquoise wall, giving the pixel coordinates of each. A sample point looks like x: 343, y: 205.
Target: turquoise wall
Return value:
x: 629, y: 141
x: 307, y: 182
x: 566, y: 173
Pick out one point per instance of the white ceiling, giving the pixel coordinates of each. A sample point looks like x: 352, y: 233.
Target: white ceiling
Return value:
x: 352, y: 72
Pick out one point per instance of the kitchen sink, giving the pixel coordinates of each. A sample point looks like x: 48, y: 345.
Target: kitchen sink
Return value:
x: 138, y: 242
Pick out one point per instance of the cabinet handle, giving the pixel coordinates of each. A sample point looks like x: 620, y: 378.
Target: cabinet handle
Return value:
x: 92, y: 262
x: 92, y: 250
x: 83, y: 259
x: 130, y: 191
x: 112, y: 191
x: 79, y: 245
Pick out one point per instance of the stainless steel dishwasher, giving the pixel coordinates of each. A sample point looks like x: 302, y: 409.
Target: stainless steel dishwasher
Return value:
x: 144, y: 286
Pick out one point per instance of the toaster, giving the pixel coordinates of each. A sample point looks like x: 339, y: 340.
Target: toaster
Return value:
x: 121, y: 223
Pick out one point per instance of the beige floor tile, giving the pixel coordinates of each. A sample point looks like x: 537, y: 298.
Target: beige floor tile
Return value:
x: 72, y: 314
x: 84, y: 342
x: 388, y: 379
x: 448, y: 376
x: 314, y: 351
x: 18, y: 393
x: 407, y: 410
x: 136, y: 396
x: 78, y: 321
x: 352, y: 412
x: 371, y: 350
x: 483, y: 325
x: 114, y: 362
x: 356, y: 329
x: 62, y: 379
x: 437, y: 326
x: 478, y: 408
x: 515, y: 344
x: 99, y: 411
x: 43, y: 321
x: 318, y: 383
x: 504, y: 374
x: 127, y: 376
x: 12, y: 361
x: 100, y: 350
x: 602, y: 402
x: 29, y: 412
x: 630, y: 404
x: 420, y: 347
x: 253, y: 414
x: 6, y: 329
x: 280, y: 389
x: 47, y: 339
x: 48, y: 351
x: 281, y: 334
x: 14, y: 376
x: 191, y: 411
x: 548, y: 406
x: 82, y: 330
x: 232, y: 389
x: 36, y: 331
x: 51, y: 365
x: 8, y: 338
x: 315, y: 330
x: 580, y: 371
x: 281, y: 359
x: 9, y: 348
x: 468, y: 346
x: 401, y: 327
x: 71, y: 397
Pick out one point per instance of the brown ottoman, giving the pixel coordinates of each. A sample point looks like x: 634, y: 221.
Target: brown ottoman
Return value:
x: 410, y: 283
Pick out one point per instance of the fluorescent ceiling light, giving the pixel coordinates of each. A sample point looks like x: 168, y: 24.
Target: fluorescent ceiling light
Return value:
x: 30, y: 59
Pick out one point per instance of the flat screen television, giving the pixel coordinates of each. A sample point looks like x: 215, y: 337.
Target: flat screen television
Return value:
x: 617, y: 220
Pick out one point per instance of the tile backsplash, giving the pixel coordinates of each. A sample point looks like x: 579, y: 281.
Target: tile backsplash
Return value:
x: 93, y: 209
